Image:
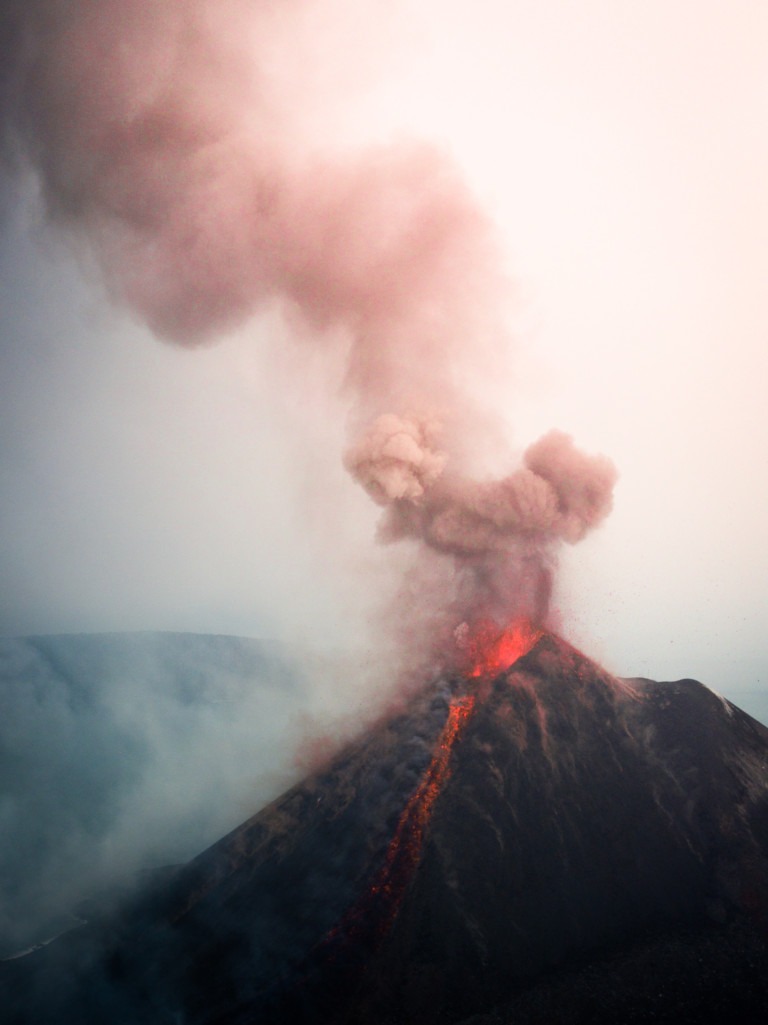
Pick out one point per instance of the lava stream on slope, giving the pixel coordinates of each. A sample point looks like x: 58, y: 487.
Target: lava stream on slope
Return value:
x: 487, y: 651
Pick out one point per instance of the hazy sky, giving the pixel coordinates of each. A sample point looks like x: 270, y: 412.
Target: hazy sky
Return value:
x: 622, y: 150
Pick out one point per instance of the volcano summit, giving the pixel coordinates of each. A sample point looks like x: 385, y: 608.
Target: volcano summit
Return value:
x: 549, y: 844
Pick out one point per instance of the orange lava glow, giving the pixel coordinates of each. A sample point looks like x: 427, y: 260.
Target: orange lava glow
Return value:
x: 487, y: 651
x: 374, y: 915
x: 490, y: 649
x: 405, y: 847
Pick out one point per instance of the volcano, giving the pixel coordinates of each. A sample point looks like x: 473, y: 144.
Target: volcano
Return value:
x: 540, y: 843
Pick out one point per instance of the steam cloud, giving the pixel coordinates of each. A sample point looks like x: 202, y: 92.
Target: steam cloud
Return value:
x: 170, y: 135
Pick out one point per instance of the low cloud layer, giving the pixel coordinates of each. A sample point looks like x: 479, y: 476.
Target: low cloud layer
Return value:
x: 127, y: 752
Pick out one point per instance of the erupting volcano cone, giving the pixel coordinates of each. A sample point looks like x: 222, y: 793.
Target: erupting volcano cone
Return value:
x: 549, y: 842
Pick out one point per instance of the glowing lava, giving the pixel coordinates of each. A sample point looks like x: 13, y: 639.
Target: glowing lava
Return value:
x: 489, y: 649
x: 404, y: 849
x: 371, y: 918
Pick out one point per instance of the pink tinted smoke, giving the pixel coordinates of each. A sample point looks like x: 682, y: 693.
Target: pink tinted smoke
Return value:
x: 162, y: 133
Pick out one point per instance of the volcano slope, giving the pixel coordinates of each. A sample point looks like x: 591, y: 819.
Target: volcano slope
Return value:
x: 553, y: 845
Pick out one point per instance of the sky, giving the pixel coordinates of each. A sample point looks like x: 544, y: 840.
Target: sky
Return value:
x: 621, y: 153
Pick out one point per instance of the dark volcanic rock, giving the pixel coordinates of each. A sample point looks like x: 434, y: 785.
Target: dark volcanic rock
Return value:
x: 597, y: 853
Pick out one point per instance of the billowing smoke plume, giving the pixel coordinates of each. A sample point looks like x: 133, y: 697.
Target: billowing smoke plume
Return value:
x: 559, y: 493
x: 499, y: 532
x: 170, y: 134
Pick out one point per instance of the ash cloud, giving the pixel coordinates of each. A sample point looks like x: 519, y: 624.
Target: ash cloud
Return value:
x: 558, y: 494
x: 499, y: 532
x: 173, y: 138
